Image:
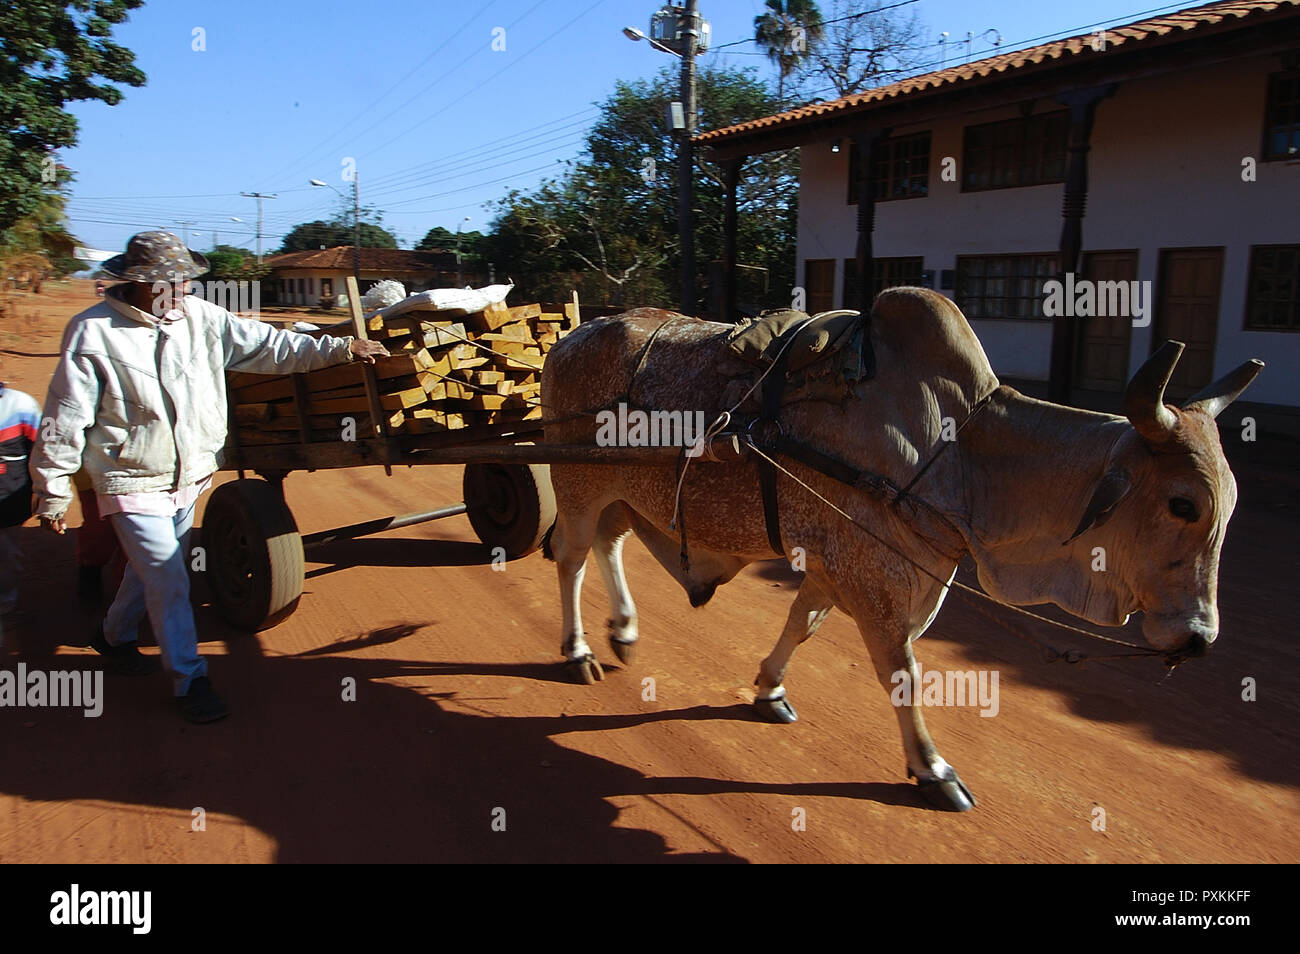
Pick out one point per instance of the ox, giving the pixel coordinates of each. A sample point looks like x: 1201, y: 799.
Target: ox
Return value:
x: 1028, y: 489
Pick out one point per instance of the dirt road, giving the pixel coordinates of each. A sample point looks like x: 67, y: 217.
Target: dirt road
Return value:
x: 463, y: 716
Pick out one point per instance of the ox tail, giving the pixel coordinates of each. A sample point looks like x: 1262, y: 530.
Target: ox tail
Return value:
x: 547, y: 552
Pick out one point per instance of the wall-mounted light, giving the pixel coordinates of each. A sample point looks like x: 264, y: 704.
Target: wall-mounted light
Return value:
x: 835, y: 145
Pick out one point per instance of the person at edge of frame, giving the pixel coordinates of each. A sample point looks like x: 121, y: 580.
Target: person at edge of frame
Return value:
x: 19, y: 419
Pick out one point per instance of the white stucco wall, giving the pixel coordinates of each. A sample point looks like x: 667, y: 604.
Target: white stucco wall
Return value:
x: 1164, y: 172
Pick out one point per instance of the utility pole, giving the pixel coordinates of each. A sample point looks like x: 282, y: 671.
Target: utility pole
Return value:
x: 356, y: 227
x: 682, y: 32
x: 686, y: 158
x: 459, y: 274
x: 259, y: 196
x: 185, y: 231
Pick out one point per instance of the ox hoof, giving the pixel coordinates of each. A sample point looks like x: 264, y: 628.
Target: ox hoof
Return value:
x: 585, y: 670
x: 625, y: 650
x: 947, y: 793
x: 776, y: 710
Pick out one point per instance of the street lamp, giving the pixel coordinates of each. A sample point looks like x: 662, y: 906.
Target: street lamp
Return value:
x: 682, y: 32
x: 216, y: 238
x: 632, y: 33
x: 356, y: 222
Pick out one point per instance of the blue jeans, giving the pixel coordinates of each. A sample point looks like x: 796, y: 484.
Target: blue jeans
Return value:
x: 157, y: 583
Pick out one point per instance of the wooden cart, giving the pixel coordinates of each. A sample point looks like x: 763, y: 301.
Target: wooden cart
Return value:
x: 255, y: 555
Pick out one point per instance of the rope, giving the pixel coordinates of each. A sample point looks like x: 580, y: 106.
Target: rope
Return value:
x: 1072, y: 656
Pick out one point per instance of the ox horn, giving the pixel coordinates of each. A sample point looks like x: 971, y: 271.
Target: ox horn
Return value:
x: 1214, y: 398
x: 1144, y: 399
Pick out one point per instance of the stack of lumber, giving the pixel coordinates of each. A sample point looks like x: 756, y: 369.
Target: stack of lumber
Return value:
x: 447, y: 372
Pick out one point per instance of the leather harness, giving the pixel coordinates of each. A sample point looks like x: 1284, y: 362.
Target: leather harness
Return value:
x: 773, y: 389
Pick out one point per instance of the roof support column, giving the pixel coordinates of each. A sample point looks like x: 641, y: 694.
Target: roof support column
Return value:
x: 730, y: 179
x: 870, y: 145
x: 1065, y: 330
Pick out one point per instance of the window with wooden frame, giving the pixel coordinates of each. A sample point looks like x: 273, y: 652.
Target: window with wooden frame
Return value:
x: 1282, y: 116
x: 1273, y: 289
x: 1015, y: 152
x: 1003, y: 286
x: 886, y: 273
x: 902, y: 168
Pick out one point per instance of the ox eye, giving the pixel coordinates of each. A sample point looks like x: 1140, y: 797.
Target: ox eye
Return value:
x: 1183, y: 509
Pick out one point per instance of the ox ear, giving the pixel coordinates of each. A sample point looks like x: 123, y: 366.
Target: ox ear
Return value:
x: 1224, y: 391
x: 1144, y: 398
x: 1110, y: 490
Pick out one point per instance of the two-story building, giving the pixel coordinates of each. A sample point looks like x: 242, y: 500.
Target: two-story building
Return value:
x: 1165, y: 152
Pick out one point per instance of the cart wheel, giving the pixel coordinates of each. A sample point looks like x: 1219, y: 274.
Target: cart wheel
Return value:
x: 510, y: 505
x: 254, y: 554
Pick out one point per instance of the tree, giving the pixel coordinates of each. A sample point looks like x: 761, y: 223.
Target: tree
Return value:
x: 609, y: 224
x: 51, y: 54
x: 322, y: 234
x: 785, y: 33
x: 38, y: 246
x: 227, y: 263
x: 864, y: 48
x: 470, y: 244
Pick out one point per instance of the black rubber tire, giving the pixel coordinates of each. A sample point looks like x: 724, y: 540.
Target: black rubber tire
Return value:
x: 254, y: 554
x: 511, y: 506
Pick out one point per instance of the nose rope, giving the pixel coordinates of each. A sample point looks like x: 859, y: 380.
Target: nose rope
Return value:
x: 974, y: 596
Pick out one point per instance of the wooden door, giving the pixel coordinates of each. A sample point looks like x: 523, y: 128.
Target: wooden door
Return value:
x: 819, y: 283
x: 1187, y: 310
x: 1102, y: 355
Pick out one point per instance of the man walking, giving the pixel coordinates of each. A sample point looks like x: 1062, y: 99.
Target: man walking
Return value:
x: 139, y: 399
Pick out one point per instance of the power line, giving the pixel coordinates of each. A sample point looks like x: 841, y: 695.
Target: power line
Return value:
x: 476, y: 185
x: 471, y: 169
x: 1014, y: 46
x: 850, y: 16
x: 510, y: 65
x: 480, y: 153
x: 345, y: 130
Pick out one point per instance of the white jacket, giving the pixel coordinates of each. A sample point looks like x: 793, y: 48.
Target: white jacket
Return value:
x: 142, y: 403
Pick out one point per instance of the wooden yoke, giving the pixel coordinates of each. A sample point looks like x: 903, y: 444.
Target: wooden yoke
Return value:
x: 377, y: 416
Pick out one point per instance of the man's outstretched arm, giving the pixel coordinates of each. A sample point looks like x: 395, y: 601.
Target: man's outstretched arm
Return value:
x: 264, y: 349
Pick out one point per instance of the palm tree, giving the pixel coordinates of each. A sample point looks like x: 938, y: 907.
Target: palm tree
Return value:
x: 778, y: 33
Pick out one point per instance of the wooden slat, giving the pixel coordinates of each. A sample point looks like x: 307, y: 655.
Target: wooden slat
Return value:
x: 368, y: 371
x: 302, y: 399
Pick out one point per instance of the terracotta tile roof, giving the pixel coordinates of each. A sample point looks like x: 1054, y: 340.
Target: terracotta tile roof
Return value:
x: 1047, y: 55
x: 339, y: 258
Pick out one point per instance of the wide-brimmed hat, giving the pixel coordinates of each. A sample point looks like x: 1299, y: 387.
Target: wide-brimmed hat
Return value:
x: 156, y: 257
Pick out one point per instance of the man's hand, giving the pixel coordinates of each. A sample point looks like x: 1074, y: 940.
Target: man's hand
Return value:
x: 365, y: 350
x: 55, y: 523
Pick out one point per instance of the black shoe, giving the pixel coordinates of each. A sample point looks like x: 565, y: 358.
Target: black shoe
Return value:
x: 201, y: 703
x: 124, y: 659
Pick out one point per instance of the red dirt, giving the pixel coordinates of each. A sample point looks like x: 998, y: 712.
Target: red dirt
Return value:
x: 462, y: 708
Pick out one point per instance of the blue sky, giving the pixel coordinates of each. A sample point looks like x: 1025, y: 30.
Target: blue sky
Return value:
x: 436, y: 120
